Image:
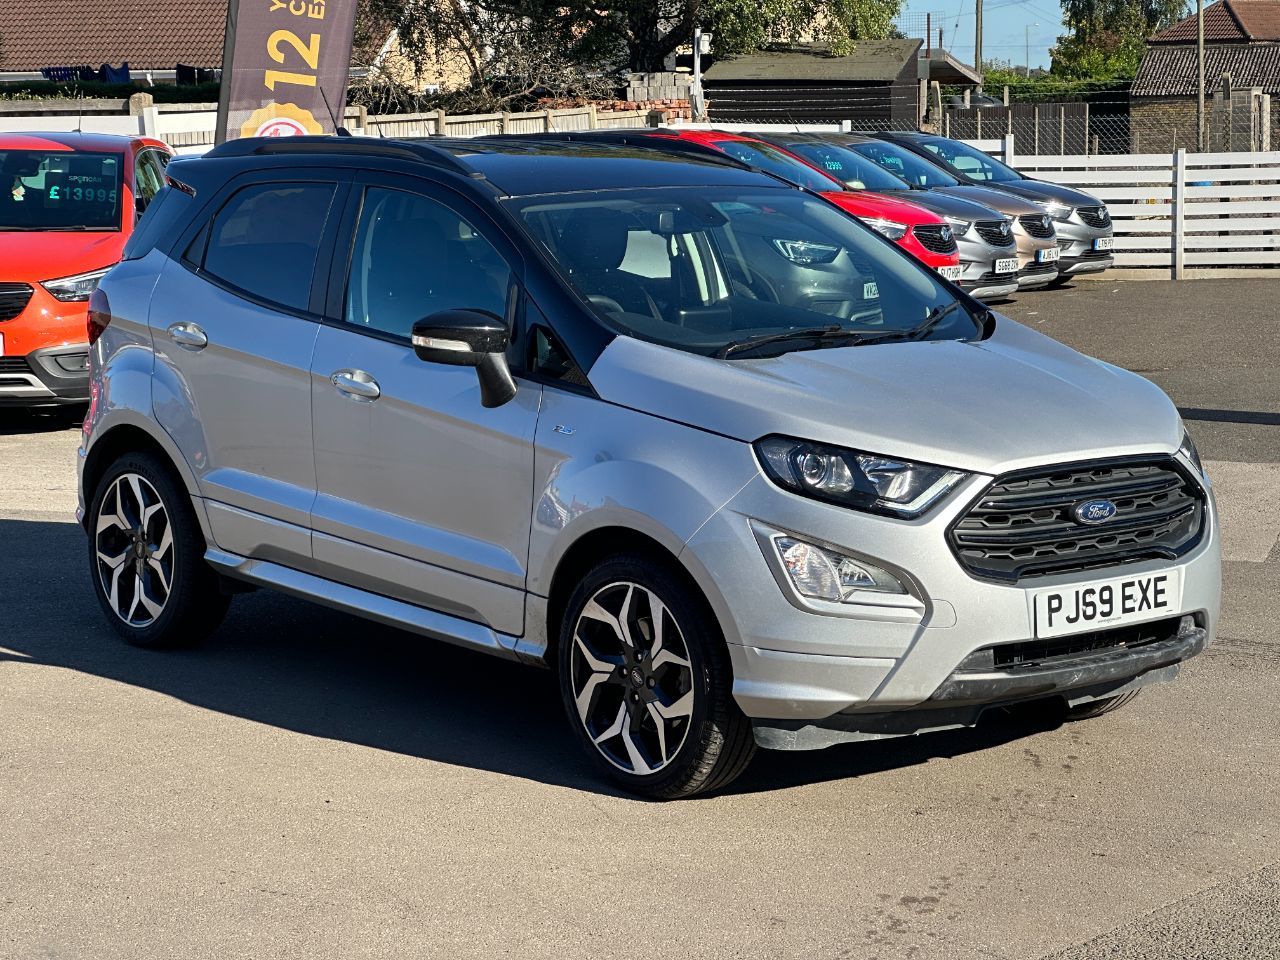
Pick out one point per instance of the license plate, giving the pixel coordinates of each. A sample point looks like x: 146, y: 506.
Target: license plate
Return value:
x: 1047, y: 255
x: 1107, y: 603
x: 950, y: 273
x: 1007, y: 265
x: 1104, y: 243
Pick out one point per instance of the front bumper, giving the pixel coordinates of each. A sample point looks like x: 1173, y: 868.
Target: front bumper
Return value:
x: 1076, y: 245
x: 804, y: 662
x: 977, y: 261
x: 50, y: 377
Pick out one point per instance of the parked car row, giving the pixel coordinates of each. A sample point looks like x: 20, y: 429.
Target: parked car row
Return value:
x: 742, y: 470
x: 72, y: 200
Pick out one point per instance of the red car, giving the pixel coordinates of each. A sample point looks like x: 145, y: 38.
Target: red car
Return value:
x: 922, y: 233
x: 68, y: 203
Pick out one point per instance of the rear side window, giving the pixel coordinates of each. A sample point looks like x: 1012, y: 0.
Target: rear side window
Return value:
x: 166, y: 213
x: 265, y: 239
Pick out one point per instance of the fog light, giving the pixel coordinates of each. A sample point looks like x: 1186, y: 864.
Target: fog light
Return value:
x: 72, y: 362
x: 822, y: 574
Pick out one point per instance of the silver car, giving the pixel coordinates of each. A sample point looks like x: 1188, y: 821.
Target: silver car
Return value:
x: 1083, y: 222
x: 738, y: 469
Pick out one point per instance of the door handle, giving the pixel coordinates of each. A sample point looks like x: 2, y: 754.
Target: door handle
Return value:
x: 188, y: 335
x: 355, y: 384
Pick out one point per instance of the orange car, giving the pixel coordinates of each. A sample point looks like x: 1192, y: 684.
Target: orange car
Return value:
x: 68, y: 203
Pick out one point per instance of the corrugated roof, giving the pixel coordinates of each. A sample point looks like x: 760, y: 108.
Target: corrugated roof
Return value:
x: 871, y: 60
x: 1228, y: 21
x: 1170, y: 71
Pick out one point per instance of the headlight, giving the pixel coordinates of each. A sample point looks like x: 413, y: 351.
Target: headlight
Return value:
x: 888, y: 228
x: 79, y: 287
x: 959, y: 226
x: 1188, y: 450
x: 864, y: 481
x: 822, y: 574
x: 1059, y: 211
x: 805, y: 252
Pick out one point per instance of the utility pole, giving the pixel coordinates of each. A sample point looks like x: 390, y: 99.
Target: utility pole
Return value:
x: 695, y: 93
x: 1200, y: 128
x: 977, y: 36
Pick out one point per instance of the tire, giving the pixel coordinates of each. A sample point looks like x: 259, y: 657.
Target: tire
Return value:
x: 1087, y: 711
x: 653, y: 709
x: 146, y: 557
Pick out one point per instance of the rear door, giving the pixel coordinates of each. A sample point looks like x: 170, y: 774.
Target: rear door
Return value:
x: 234, y: 318
x: 423, y: 494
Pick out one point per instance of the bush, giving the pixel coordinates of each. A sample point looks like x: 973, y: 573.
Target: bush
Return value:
x: 95, y: 90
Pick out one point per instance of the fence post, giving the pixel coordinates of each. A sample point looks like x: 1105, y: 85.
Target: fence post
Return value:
x: 1007, y: 152
x: 1179, y: 212
x: 937, y: 98
x: 441, y: 120
x: 946, y: 124
x: 504, y: 125
x: 548, y: 122
x: 1006, y: 94
x: 978, y: 115
x: 593, y: 121
x: 1035, y: 141
x: 1062, y: 130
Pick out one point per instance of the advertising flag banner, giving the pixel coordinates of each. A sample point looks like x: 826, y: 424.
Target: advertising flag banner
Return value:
x: 285, y: 66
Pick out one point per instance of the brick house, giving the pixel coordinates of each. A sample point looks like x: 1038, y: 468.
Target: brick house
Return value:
x: 1242, y: 41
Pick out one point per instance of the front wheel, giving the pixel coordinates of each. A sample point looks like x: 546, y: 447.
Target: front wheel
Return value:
x: 146, y: 553
x: 646, y: 682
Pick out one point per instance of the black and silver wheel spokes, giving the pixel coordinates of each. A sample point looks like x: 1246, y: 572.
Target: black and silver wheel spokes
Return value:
x: 631, y: 676
x: 134, y: 547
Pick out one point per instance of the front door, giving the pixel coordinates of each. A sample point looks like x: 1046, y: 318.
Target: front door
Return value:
x: 234, y: 328
x: 423, y: 494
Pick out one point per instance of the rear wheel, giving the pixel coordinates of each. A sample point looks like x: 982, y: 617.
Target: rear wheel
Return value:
x: 146, y: 554
x: 646, y: 682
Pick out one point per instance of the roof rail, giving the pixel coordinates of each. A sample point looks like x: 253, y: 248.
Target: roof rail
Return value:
x: 651, y: 137
x: 418, y: 151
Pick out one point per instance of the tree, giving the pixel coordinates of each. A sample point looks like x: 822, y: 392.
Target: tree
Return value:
x: 1106, y: 38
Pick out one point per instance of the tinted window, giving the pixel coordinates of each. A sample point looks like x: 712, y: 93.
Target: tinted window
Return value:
x: 59, y: 190
x: 971, y: 161
x: 163, y: 216
x: 855, y: 171
x: 148, y: 177
x: 414, y: 257
x: 902, y: 163
x: 265, y: 239
x: 779, y: 163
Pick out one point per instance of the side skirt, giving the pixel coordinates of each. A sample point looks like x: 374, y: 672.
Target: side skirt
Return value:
x: 361, y: 603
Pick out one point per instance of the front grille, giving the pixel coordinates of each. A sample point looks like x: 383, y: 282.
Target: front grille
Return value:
x: 1023, y: 526
x: 13, y: 299
x: 1031, y: 652
x: 935, y: 237
x: 14, y: 365
x: 995, y: 232
x: 1037, y: 225
x: 1033, y: 268
x: 1095, y: 216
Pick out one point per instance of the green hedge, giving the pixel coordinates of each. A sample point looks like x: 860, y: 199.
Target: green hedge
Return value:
x: 162, y: 92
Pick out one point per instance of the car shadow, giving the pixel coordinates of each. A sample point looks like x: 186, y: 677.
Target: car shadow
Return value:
x: 298, y: 666
x: 19, y: 420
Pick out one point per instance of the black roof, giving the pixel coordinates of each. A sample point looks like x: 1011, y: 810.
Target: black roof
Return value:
x: 521, y: 166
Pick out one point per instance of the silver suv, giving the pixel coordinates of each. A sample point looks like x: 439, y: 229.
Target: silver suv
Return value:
x: 735, y: 466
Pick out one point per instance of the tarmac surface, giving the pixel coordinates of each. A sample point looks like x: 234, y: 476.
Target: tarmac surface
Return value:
x: 308, y: 785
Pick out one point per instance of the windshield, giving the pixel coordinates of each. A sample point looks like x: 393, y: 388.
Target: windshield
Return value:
x: 59, y: 190
x: 779, y: 163
x: 854, y: 171
x: 970, y: 161
x: 701, y: 268
x: 901, y: 162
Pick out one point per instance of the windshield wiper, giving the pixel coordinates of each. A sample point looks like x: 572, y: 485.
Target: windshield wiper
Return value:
x: 815, y: 334
x: 922, y: 330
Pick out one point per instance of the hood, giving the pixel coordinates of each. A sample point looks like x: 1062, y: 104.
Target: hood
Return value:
x: 946, y: 205
x: 1006, y: 203
x: 1037, y: 190
x: 862, y: 203
x: 33, y: 256
x: 1017, y: 399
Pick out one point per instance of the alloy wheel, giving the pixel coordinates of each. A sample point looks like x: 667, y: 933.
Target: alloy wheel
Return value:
x: 632, y: 681
x: 133, y: 544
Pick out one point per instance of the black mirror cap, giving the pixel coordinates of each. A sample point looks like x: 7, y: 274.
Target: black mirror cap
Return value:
x: 461, y: 338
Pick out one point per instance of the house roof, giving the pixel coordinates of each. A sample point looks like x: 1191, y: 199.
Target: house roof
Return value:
x: 146, y: 33
x: 871, y: 60
x: 1228, y: 21
x: 1170, y: 71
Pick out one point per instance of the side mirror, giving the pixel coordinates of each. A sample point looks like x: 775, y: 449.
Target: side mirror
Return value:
x: 469, y: 338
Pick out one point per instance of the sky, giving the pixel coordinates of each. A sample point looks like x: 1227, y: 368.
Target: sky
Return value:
x: 1004, y: 24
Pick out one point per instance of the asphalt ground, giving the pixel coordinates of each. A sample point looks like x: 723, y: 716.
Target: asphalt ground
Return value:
x: 308, y: 785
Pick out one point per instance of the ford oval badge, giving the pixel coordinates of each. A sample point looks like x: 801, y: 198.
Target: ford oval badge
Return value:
x: 1094, y: 511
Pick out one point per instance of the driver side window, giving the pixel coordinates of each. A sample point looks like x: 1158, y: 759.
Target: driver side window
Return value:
x: 414, y: 257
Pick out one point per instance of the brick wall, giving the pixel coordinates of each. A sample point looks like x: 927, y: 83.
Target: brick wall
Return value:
x: 1162, y: 125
